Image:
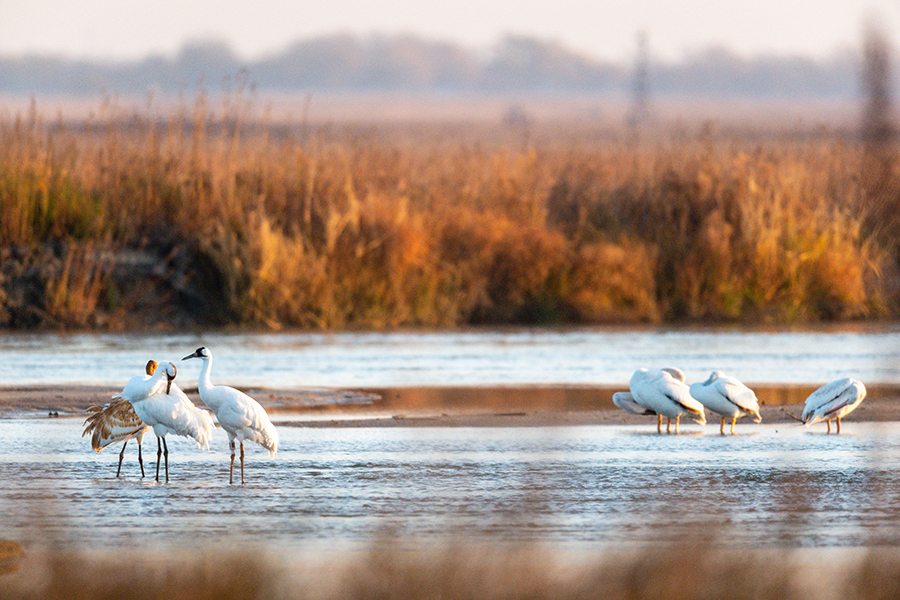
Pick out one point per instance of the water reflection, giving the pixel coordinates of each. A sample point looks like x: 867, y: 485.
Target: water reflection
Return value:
x: 576, y: 486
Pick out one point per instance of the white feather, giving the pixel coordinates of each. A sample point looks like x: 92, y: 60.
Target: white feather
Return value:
x: 626, y: 402
x: 175, y: 413
x: 834, y: 400
x: 242, y: 417
x: 664, y: 394
x: 726, y: 396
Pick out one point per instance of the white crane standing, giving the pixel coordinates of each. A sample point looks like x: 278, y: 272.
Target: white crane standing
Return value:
x: 242, y: 417
x: 116, y: 421
x: 167, y: 409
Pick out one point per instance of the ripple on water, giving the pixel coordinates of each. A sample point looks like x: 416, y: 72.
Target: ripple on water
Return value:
x: 599, y: 486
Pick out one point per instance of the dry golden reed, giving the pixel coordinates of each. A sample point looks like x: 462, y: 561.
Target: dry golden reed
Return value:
x: 430, y: 225
x: 679, y: 572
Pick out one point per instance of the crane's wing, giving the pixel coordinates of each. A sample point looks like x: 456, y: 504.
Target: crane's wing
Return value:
x: 111, y: 423
x: 246, y: 417
x: 176, y: 412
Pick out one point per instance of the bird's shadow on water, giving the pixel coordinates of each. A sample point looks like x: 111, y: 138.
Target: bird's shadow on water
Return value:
x: 736, y: 434
x: 650, y: 433
x: 654, y: 433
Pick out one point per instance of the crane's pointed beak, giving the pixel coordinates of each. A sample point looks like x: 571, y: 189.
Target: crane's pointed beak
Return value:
x: 194, y: 355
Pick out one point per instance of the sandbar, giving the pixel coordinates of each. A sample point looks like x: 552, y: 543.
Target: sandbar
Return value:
x: 438, y: 407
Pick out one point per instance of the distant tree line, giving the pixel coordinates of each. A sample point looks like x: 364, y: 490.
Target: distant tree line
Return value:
x: 409, y: 63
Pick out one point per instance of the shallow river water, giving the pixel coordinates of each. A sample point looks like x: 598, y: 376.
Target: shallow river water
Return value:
x: 568, y: 487
x: 335, y: 488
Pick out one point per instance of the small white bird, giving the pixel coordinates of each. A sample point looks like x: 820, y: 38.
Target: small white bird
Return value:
x: 833, y: 402
x: 728, y: 397
x: 242, y: 417
x: 664, y: 392
x: 167, y: 409
x: 116, y: 421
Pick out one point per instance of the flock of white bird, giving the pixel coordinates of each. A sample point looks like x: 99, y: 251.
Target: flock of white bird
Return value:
x: 153, y: 401
x: 664, y: 393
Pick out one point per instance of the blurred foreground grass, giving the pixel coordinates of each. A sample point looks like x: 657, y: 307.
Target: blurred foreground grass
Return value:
x: 461, y: 572
x: 221, y: 217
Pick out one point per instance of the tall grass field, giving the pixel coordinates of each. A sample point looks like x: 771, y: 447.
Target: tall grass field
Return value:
x: 219, y: 216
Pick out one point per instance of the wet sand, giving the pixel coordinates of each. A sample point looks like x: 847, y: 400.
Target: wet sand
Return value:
x: 532, y: 406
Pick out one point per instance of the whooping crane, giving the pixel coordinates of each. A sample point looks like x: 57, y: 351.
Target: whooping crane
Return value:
x: 167, y: 410
x: 116, y: 421
x: 242, y: 417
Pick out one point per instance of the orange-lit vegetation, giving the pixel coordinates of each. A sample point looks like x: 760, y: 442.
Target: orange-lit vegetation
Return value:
x: 330, y: 226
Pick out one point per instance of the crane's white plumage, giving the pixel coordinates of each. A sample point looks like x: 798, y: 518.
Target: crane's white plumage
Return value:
x: 833, y: 401
x: 167, y: 410
x: 175, y: 413
x: 242, y: 417
x: 116, y: 422
x: 142, y: 386
x: 728, y: 397
x: 664, y: 392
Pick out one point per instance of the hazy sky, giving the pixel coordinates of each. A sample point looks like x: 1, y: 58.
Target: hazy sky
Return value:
x: 125, y: 29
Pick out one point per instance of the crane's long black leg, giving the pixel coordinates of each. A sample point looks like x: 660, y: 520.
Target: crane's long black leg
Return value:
x: 242, y: 462
x: 231, y: 470
x: 158, y: 454
x: 121, y: 456
x: 141, y: 459
x: 166, y: 453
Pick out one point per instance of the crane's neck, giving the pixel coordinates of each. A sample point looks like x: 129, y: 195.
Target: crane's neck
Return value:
x: 204, y: 385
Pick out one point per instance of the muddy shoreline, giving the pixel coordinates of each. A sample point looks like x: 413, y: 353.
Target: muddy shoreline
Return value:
x: 439, y: 406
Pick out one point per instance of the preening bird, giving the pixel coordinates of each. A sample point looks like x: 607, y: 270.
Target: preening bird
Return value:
x: 116, y: 421
x: 167, y: 409
x: 727, y: 397
x: 664, y: 392
x: 242, y: 417
x: 627, y: 402
x: 833, y: 402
